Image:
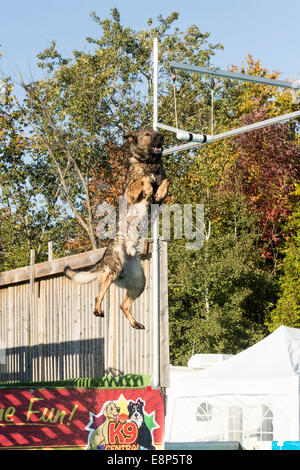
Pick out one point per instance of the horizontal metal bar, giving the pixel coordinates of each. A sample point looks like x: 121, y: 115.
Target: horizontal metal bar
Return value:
x: 177, y: 131
x: 234, y: 75
x: 233, y: 132
x: 167, y: 128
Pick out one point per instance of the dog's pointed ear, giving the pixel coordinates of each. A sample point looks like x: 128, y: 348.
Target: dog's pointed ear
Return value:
x: 130, y: 137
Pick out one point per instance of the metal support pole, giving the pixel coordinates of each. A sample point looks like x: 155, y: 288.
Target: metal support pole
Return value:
x: 155, y: 245
x: 233, y: 132
x: 235, y: 75
x: 184, y: 135
x: 155, y: 83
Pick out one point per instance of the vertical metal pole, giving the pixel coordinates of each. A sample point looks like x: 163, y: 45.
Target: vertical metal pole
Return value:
x: 155, y: 83
x: 32, y: 321
x: 155, y: 245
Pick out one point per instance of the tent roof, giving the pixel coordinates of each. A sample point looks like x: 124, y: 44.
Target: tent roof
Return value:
x: 264, y: 374
x: 277, y: 355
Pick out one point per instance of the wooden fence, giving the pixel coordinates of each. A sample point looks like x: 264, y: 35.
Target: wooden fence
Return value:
x: 48, y: 330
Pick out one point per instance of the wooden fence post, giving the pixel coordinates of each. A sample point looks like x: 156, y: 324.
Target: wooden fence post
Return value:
x: 32, y: 263
x: 50, y: 251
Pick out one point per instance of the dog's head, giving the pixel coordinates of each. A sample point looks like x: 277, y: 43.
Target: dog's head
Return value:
x: 111, y: 410
x: 145, y: 145
x: 135, y: 412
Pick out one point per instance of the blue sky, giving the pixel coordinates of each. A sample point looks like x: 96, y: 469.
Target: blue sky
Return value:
x: 267, y: 29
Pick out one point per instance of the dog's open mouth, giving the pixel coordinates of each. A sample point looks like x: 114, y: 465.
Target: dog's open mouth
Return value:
x: 156, y: 149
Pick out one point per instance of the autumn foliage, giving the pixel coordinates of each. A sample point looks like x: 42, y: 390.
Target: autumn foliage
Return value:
x: 72, y: 160
x: 106, y: 186
x: 265, y: 172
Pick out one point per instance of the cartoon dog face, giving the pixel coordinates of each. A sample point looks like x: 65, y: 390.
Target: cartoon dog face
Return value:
x: 111, y: 410
x: 136, y: 413
x: 100, y: 436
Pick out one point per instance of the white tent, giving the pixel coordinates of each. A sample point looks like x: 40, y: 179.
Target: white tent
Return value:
x: 253, y: 397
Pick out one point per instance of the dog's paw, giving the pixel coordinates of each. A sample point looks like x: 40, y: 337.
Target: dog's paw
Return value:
x: 147, y: 188
x: 98, y: 313
x: 131, y: 251
x: 147, y: 195
x: 138, y: 326
x: 162, y: 191
x: 160, y: 195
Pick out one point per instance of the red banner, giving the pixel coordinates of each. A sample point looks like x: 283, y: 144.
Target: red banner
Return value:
x: 98, y: 419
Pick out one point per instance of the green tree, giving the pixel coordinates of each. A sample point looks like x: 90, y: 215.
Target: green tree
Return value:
x: 245, y: 185
x: 28, y: 221
x: 82, y: 109
x: 287, y: 311
x: 220, y: 295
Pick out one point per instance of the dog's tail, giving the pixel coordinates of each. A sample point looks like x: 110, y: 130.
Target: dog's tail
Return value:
x: 80, y: 277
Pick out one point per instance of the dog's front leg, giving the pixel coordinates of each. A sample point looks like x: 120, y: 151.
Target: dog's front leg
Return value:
x: 141, y: 187
x: 162, y: 191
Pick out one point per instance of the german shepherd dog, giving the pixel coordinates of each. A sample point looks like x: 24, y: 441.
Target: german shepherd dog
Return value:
x: 145, y: 183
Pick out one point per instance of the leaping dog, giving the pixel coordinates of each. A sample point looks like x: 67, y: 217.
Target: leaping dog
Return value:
x: 145, y: 183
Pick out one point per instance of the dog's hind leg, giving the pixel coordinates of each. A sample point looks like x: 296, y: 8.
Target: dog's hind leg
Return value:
x: 105, y: 282
x: 126, y: 305
x: 132, y: 278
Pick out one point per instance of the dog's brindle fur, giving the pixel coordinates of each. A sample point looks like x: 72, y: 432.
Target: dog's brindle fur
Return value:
x: 145, y: 183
